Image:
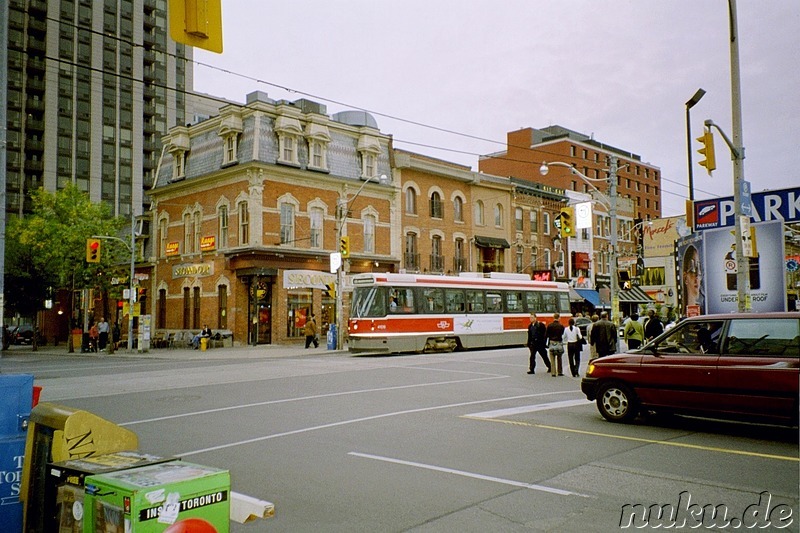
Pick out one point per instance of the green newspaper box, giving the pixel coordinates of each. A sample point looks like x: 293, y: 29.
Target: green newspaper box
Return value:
x: 173, y: 497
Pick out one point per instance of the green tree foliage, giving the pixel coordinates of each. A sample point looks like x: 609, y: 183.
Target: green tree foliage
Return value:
x: 48, y: 248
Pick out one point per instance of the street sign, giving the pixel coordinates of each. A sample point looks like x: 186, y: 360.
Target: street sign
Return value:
x: 336, y: 261
x: 747, y: 205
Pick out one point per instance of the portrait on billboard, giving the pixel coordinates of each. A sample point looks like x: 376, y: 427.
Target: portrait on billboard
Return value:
x: 690, y: 268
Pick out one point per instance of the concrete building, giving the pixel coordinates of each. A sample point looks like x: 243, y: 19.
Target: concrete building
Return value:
x: 91, y: 88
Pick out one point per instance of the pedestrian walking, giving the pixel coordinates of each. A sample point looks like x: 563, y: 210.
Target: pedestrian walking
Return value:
x: 604, y: 336
x: 555, y: 337
x: 633, y: 333
x: 652, y: 326
x: 537, y: 343
x: 310, y: 331
x: 103, y: 328
x: 574, y: 341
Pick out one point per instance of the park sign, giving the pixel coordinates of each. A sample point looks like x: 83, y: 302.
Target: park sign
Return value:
x: 783, y: 204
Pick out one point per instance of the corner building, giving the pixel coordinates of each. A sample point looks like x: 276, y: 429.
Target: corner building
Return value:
x: 250, y: 204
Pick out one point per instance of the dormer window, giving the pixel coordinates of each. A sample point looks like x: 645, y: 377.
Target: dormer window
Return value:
x: 231, y: 148
x: 179, y: 168
x: 178, y: 145
x: 289, y: 132
x: 230, y: 128
x: 318, y: 138
x: 369, y: 148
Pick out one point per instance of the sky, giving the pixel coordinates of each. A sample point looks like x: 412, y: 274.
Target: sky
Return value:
x: 449, y: 78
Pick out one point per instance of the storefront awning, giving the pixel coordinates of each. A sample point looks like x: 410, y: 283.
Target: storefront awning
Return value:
x: 590, y: 295
x: 634, y: 295
x: 491, y: 242
x: 574, y: 296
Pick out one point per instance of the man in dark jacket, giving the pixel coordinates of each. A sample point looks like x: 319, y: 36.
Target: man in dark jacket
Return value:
x: 537, y: 343
x: 652, y: 326
x: 604, y: 336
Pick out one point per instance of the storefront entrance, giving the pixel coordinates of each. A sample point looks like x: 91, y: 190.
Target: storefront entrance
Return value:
x: 260, y: 310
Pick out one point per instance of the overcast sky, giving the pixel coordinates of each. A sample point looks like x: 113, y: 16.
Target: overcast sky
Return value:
x: 621, y: 70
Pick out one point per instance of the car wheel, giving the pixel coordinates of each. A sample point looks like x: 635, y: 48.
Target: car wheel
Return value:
x: 617, y: 403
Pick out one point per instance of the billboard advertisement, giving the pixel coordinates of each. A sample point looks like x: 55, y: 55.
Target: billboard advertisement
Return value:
x: 765, y: 206
x: 659, y: 236
x: 767, y: 281
x: 690, y: 275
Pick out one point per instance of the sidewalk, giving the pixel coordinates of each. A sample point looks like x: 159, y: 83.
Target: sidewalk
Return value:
x: 235, y: 352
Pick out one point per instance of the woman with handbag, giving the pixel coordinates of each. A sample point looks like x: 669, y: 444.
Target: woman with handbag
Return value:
x: 574, y: 341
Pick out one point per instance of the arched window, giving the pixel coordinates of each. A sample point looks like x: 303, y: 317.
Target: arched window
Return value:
x: 458, y: 209
x: 498, y: 215
x: 411, y: 201
x: 436, y: 205
x: 479, y: 213
x: 369, y: 234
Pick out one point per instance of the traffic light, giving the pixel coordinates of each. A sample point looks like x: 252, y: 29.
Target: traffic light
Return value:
x: 344, y: 246
x: 567, y: 222
x: 92, y: 250
x: 197, y: 23
x: 710, y: 162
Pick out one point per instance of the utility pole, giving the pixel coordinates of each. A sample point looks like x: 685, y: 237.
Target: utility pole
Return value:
x: 612, y: 211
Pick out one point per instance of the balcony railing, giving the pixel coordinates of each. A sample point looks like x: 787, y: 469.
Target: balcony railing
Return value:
x: 459, y: 264
x: 411, y: 261
x: 437, y: 263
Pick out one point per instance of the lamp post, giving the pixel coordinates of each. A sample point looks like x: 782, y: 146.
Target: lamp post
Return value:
x: 341, y: 218
x: 610, y: 201
x: 690, y: 104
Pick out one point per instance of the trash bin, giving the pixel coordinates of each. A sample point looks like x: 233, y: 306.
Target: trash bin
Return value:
x: 332, y: 337
x: 203, y: 343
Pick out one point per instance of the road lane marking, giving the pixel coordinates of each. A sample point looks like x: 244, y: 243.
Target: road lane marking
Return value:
x: 646, y: 441
x: 304, y: 398
x: 363, y: 419
x: 473, y: 475
x: 527, y: 409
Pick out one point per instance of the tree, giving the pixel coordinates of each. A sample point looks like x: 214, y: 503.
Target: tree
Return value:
x: 47, y: 248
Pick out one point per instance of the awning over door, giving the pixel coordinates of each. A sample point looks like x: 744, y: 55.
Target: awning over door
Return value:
x: 491, y: 242
x: 634, y: 295
x: 590, y: 295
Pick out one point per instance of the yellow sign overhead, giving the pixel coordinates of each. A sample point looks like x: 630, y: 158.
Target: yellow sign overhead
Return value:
x: 197, y: 23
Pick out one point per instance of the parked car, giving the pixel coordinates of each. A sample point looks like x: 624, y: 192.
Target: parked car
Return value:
x: 23, y: 334
x: 738, y: 365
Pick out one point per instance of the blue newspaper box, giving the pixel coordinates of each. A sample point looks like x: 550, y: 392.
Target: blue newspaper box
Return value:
x: 332, y: 337
x: 16, y: 397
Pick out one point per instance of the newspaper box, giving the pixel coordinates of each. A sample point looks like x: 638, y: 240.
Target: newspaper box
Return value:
x: 169, y: 497
x: 64, y: 485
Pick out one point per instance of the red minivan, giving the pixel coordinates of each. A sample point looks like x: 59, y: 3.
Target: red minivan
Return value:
x: 738, y: 365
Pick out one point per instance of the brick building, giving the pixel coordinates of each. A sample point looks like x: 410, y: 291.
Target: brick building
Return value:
x: 250, y: 204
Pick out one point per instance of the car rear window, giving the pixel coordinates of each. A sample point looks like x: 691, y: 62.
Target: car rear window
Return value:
x: 776, y: 337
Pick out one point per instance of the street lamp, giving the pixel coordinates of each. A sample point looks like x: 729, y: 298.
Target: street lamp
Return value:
x: 610, y: 201
x: 690, y: 104
x: 341, y: 218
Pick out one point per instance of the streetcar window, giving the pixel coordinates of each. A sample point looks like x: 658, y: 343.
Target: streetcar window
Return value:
x: 563, y: 300
x: 514, y: 302
x: 475, y: 302
x: 534, y: 301
x: 454, y: 301
x: 494, y: 302
x: 549, y: 302
x: 432, y: 300
x: 404, y: 298
x: 368, y: 302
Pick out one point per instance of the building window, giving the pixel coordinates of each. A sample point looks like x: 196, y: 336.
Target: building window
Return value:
x: 287, y: 223
x: 520, y: 259
x: 318, y: 155
x: 436, y: 205
x: 369, y: 234
x: 287, y: 148
x: 188, y: 233
x: 411, y: 201
x: 459, y: 264
x: 222, y: 216
x: 479, y: 213
x: 498, y: 215
x: 197, y: 227
x: 222, y: 307
x: 231, y: 147
x: 411, y: 258
x: 534, y: 221
x: 316, y: 227
x: 437, y: 260
x: 162, y: 236
x: 369, y: 165
x: 458, y: 209
x: 518, y: 219
x: 244, y: 223
x: 547, y: 264
x: 546, y: 223
x: 179, y: 166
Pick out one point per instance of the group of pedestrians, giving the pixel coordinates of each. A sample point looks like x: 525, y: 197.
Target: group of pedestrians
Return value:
x: 549, y: 342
